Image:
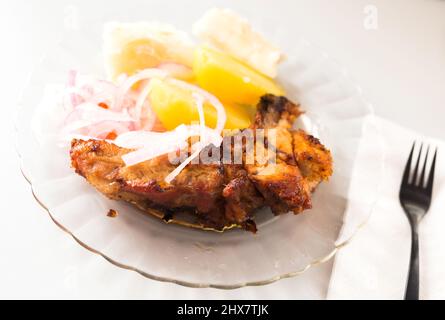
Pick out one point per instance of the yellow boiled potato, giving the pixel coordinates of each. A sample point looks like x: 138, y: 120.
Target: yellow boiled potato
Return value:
x: 175, y: 106
x: 142, y: 54
x: 229, y: 79
x: 138, y: 55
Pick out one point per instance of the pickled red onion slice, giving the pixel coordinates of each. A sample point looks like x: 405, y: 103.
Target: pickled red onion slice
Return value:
x: 140, y: 103
x: 102, y: 129
x: 88, y: 114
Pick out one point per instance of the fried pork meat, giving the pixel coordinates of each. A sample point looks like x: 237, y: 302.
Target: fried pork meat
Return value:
x: 218, y: 195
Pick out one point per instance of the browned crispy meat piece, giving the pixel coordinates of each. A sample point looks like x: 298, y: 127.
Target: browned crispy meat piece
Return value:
x: 241, y: 196
x: 278, y: 113
x: 198, y: 187
x: 281, y: 183
x: 218, y: 195
x: 313, y: 159
x: 272, y: 110
x: 283, y: 187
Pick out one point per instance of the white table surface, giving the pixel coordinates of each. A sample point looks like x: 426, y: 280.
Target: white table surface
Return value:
x: 400, y: 66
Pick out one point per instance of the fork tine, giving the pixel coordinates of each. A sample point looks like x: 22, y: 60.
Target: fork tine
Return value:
x: 416, y: 168
x: 408, y: 166
x: 429, y: 186
x: 422, y: 174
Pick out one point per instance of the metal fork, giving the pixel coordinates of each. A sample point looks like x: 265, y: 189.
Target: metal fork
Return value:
x: 415, y: 196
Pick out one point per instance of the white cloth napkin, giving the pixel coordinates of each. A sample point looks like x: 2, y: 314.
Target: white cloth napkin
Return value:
x: 374, y: 265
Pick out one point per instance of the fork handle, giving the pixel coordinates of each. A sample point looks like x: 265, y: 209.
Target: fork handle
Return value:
x: 412, y: 287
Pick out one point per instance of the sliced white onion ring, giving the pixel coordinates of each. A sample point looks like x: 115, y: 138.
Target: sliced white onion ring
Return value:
x: 221, y: 113
x: 146, y: 74
x: 172, y: 175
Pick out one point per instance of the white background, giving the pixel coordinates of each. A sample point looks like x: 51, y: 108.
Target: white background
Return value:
x: 400, y: 66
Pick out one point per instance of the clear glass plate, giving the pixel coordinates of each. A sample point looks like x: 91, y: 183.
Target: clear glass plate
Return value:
x: 285, y: 246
